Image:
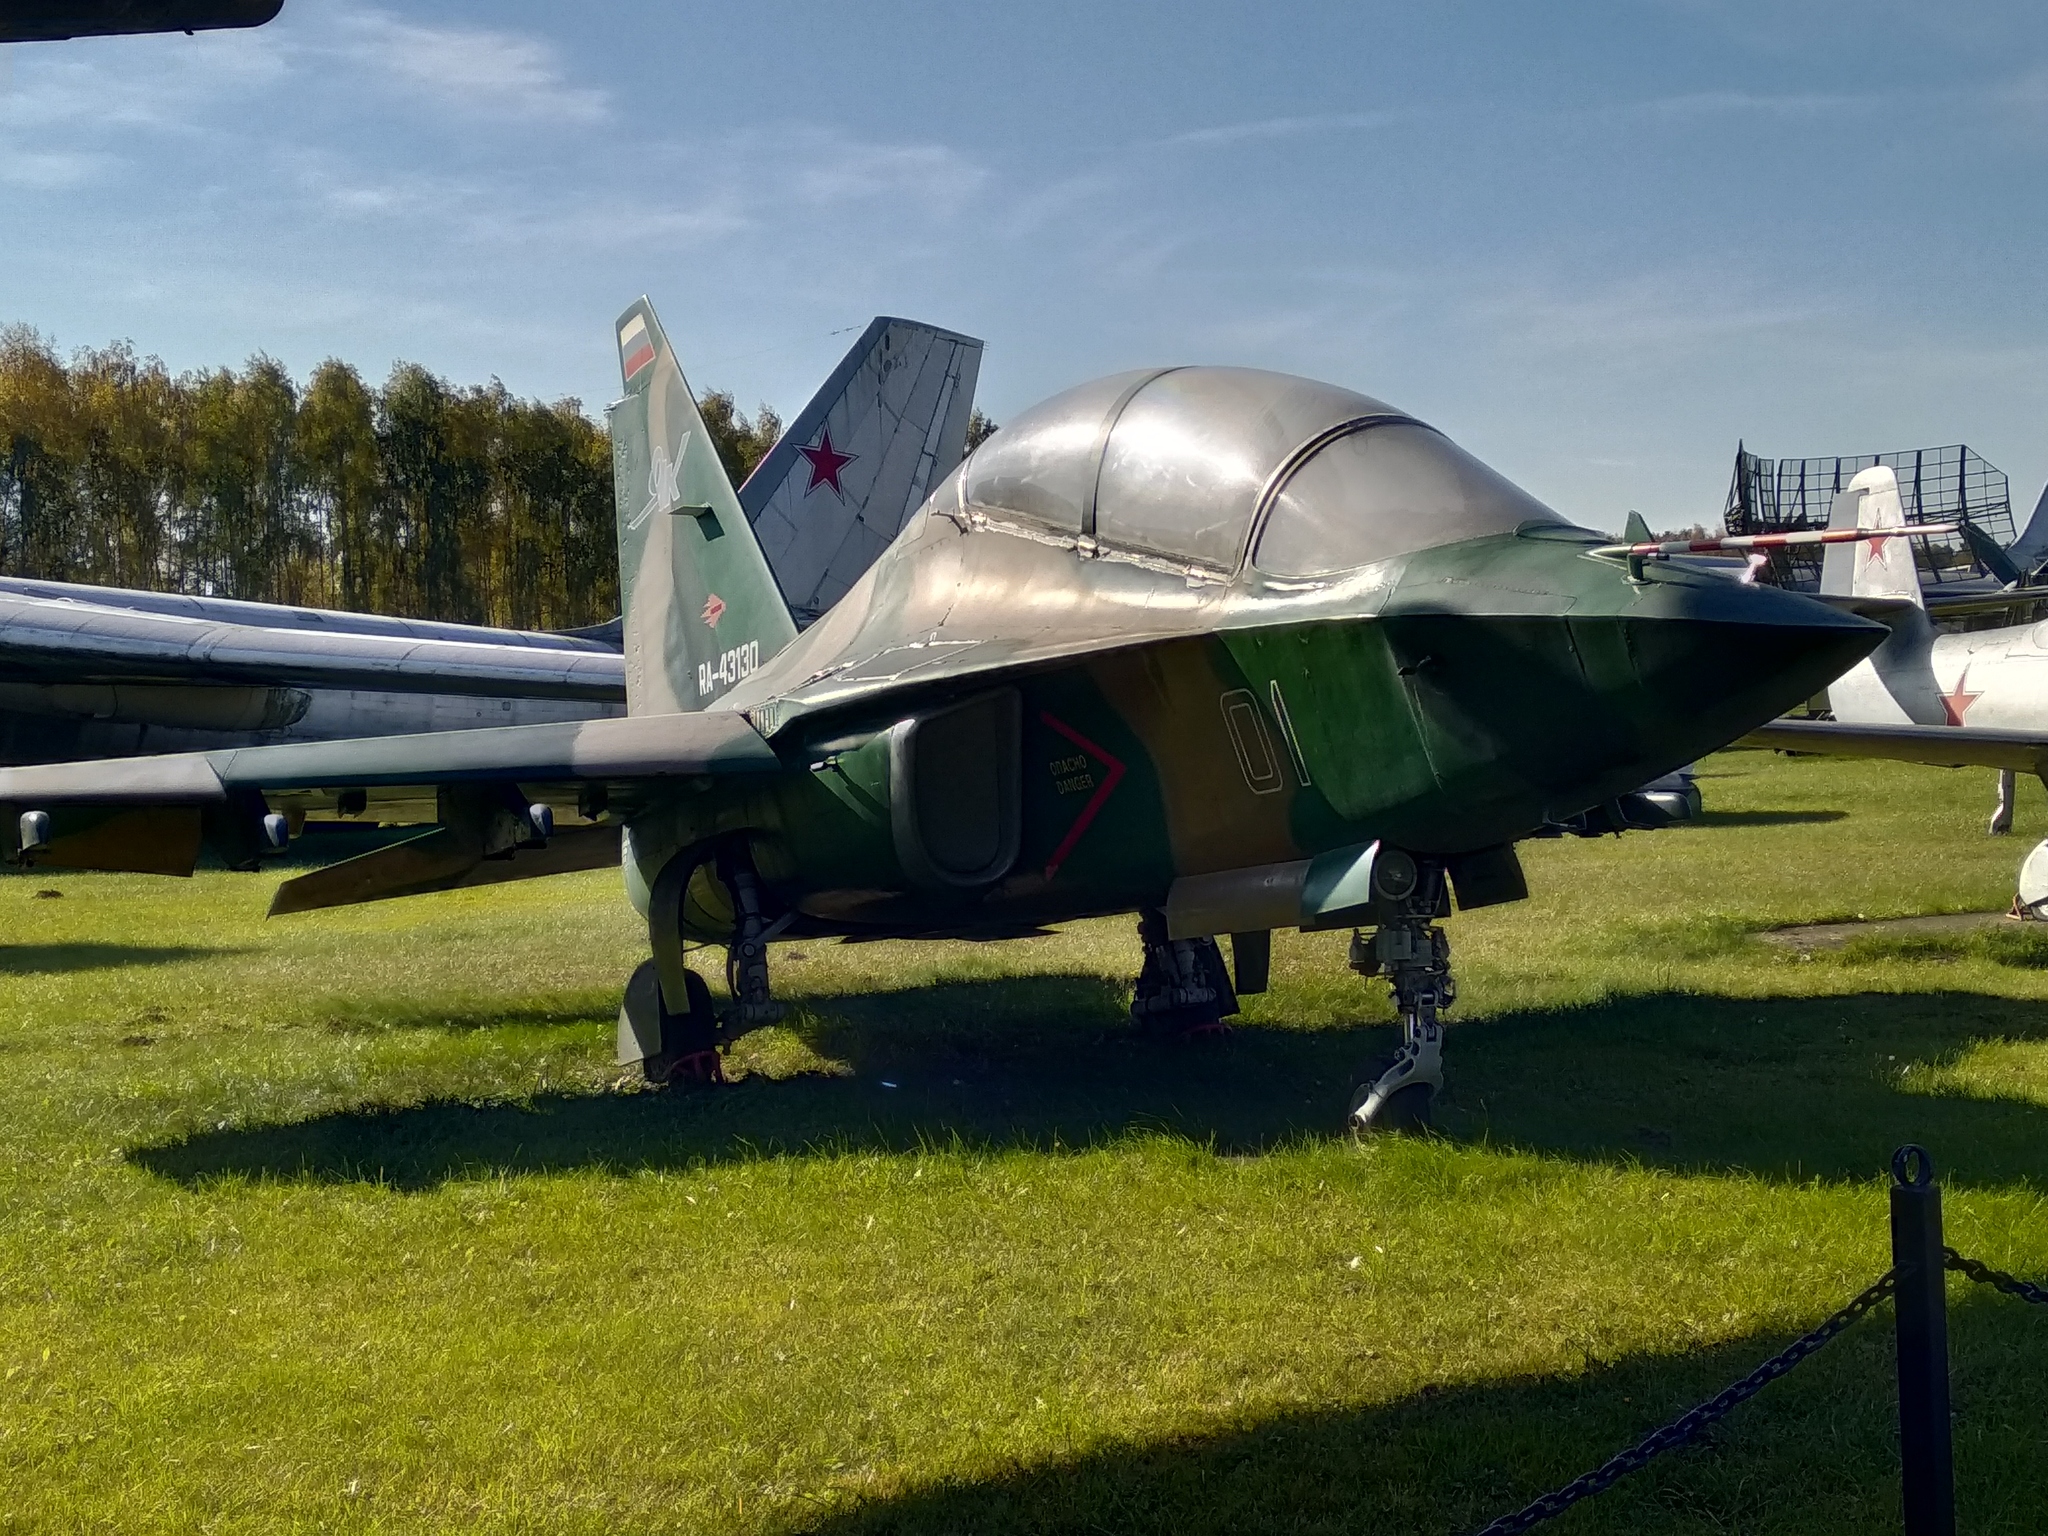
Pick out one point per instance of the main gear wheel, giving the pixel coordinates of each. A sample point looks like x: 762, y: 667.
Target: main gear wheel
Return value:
x: 1183, y: 991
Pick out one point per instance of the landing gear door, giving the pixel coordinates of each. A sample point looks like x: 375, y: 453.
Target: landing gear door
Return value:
x: 955, y: 790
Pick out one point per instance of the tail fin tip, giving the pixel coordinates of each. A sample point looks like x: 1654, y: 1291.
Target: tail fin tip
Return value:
x: 1881, y: 567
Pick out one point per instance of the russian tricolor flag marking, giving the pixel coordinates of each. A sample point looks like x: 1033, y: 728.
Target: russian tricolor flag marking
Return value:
x: 636, y: 347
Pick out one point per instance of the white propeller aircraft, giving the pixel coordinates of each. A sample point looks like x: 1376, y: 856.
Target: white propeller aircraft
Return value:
x: 1974, y: 699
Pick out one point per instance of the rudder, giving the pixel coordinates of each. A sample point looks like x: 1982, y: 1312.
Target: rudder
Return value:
x: 700, y: 607
x: 1871, y: 567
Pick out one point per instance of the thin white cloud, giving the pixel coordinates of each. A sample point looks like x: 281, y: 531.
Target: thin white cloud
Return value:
x: 50, y: 170
x: 673, y: 225
x: 827, y: 168
x: 121, y: 83
x: 476, y: 70
x: 1641, y: 320
x: 1224, y: 135
x: 2029, y: 91
x: 679, y: 196
x: 1791, y: 104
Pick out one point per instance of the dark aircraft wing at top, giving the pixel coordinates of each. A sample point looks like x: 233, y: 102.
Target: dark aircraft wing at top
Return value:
x: 1938, y: 746
x: 35, y: 21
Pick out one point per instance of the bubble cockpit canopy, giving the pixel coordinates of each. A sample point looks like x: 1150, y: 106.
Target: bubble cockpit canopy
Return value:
x: 1201, y: 464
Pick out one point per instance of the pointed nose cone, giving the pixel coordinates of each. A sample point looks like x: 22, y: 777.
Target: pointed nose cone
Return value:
x: 1714, y: 659
x: 1543, y: 681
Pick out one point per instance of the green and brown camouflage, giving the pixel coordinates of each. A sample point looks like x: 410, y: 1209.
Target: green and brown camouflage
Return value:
x: 1210, y: 643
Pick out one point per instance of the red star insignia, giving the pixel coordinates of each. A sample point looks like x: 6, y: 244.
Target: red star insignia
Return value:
x: 1957, y: 702
x: 714, y: 610
x: 826, y: 463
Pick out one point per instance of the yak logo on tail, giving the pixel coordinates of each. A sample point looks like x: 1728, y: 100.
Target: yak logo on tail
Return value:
x: 661, y: 482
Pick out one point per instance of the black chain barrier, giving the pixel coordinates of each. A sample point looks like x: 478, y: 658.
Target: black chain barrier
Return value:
x: 1689, y: 1425
x: 1997, y: 1279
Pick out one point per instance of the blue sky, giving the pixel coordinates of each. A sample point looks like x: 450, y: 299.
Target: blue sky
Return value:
x: 1596, y: 243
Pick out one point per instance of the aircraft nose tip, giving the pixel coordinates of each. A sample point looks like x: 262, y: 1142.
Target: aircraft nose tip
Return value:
x: 1728, y: 660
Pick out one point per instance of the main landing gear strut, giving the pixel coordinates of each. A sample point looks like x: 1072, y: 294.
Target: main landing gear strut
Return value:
x: 1415, y: 957
x: 685, y: 1046
x: 1184, y: 990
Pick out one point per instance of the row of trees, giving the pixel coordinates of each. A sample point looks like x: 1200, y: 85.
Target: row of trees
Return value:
x: 417, y: 497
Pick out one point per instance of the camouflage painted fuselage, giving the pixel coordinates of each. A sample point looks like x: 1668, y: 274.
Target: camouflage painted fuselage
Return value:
x: 1172, y: 724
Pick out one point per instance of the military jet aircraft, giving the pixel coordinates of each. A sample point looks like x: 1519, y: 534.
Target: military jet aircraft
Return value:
x: 1973, y: 698
x: 1230, y: 649
x: 100, y: 672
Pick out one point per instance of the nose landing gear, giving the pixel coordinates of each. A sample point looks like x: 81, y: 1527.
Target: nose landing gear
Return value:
x: 1415, y: 957
x: 746, y: 960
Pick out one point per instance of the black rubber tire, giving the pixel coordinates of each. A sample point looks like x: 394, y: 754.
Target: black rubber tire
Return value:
x: 1406, y: 1111
x: 684, y: 1034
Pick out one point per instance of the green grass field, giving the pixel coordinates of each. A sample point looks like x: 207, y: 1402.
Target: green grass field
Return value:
x: 347, y: 1222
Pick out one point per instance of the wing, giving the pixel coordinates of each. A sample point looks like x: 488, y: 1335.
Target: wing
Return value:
x: 28, y: 21
x: 1939, y: 746
x: 329, y: 621
x: 1885, y: 609
x: 493, y: 793
x: 63, y: 641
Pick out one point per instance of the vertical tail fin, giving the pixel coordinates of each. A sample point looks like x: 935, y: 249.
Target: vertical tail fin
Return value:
x: 700, y: 607
x: 880, y: 434
x: 1871, y: 567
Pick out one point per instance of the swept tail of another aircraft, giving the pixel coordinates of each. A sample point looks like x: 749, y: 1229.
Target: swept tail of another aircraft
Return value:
x: 700, y: 607
x: 882, y: 431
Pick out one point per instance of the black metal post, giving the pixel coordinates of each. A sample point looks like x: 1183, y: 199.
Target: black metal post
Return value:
x: 1926, y: 1467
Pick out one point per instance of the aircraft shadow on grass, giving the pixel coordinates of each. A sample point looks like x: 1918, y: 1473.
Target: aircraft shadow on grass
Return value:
x: 1764, y: 818
x: 1814, y: 1452
x: 1783, y: 1088
x: 56, y: 959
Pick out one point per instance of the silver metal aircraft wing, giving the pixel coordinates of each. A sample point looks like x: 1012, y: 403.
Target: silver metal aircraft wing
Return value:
x: 66, y: 641
x: 491, y: 792
x: 1938, y: 746
x: 324, y: 621
x: 614, y: 750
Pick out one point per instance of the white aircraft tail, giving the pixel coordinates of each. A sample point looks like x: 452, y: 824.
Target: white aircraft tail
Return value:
x: 1871, y: 567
